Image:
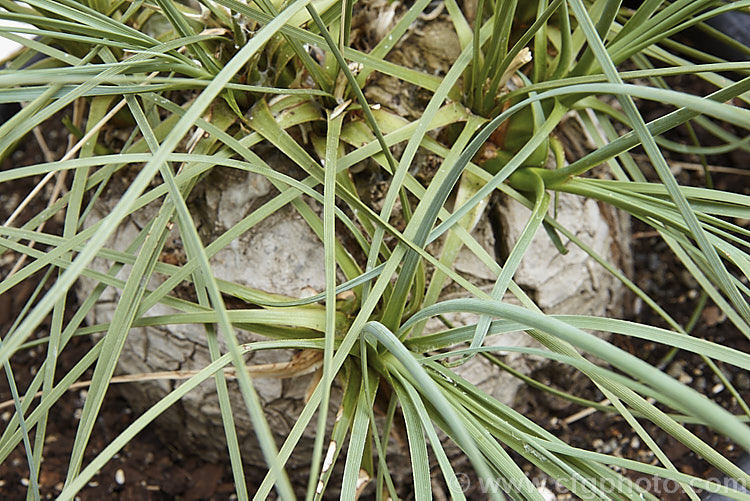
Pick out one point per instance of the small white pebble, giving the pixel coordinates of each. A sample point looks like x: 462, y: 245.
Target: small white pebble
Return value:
x: 718, y: 388
x: 120, y: 477
x: 77, y: 413
x: 6, y: 416
x: 25, y: 482
x: 547, y: 494
x: 93, y: 483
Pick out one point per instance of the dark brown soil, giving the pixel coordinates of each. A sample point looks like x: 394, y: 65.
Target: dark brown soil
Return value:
x: 150, y: 470
x: 610, y: 433
x: 659, y: 274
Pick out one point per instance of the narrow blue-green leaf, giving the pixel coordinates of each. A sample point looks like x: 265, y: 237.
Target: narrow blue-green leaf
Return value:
x: 357, y: 440
x: 660, y: 164
x: 427, y: 386
x: 720, y: 419
x: 329, y: 242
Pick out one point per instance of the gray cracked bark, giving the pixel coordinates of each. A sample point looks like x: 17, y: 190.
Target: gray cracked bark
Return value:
x: 282, y: 255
